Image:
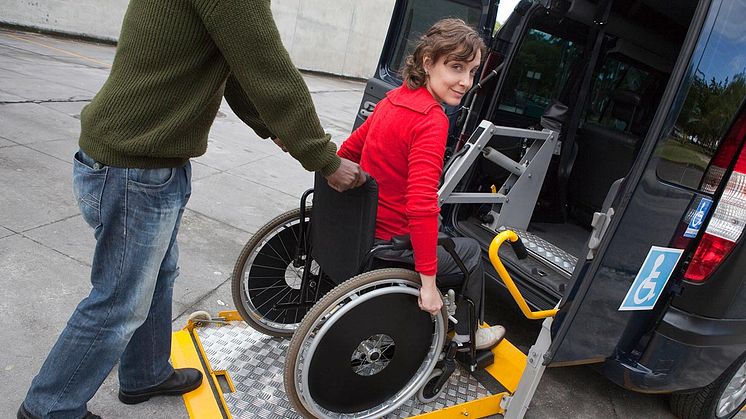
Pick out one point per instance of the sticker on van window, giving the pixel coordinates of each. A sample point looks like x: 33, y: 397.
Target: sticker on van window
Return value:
x: 697, y: 218
x: 651, y: 278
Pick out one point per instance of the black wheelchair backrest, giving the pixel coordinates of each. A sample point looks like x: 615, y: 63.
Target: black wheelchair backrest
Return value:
x: 342, y: 227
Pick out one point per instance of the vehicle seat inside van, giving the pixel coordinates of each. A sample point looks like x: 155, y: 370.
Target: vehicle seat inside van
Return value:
x: 606, y: 151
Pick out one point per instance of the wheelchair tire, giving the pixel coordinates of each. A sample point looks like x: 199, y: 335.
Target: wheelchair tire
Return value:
x: 264, y: 275
x: 427, y: 393
x: 364, y: 349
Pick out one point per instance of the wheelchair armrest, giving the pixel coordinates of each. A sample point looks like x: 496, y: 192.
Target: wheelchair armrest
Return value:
x: 403, y: 242
x: 446, y: 241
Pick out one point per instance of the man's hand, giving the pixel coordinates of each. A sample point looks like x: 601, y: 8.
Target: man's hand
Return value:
x: 348, y: 175
x: 280, y: 144
x: 429, y: 299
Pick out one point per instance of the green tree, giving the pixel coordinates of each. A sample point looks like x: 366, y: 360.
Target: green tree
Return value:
x: 709, y: 109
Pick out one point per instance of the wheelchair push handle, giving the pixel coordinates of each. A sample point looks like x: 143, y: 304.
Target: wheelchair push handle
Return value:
x: 521, y: 252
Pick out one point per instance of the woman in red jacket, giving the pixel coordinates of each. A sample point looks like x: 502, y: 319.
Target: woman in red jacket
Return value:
x: 402, y: 146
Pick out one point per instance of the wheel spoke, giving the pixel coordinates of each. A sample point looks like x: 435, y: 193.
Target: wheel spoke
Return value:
x: 271, y: 286
x: 278, y: 258
x: 265, y: 303
x: 283, y: 312
x: 386, y: 347
x: 284, y: 247
x: 267, y: 267
x: 378, y: 343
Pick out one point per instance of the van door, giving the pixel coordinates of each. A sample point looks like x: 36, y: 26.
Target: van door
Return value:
x: 621, y: 290
x: 410, y: 19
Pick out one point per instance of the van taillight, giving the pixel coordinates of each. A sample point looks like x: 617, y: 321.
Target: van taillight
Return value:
x: 727, y: 222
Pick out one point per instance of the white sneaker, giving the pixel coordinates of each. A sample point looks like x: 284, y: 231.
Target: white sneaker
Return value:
x: 489, y: 337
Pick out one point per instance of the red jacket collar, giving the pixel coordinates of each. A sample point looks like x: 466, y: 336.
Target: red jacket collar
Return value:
x: 419, y: 100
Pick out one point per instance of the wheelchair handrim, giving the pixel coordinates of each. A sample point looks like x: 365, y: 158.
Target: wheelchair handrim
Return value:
x: 251, y: 308
x: 328, y: 319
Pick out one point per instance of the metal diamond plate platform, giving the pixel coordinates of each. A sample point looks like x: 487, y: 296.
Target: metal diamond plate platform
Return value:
x: 546, y: 252
x: 255, y: 363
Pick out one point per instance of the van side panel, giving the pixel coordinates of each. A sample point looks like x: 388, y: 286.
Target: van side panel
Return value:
x: 650, y: 219
x: 694, y: 332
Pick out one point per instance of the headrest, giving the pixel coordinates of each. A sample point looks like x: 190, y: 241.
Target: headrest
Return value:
x: 627, y: 97
x: 625, y: 105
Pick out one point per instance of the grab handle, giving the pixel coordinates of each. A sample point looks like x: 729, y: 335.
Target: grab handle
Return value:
x: 520, y: 250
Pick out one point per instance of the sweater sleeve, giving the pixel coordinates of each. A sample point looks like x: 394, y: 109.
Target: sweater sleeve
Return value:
x: 425, y: 166
x: 244, y: 109
x: 352, y: 148
x: 248, y: 39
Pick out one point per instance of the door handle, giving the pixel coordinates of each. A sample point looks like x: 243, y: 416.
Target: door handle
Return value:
x: 600, y: 224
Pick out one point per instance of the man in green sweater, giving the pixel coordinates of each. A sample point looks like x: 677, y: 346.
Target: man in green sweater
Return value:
x: 175, y: 61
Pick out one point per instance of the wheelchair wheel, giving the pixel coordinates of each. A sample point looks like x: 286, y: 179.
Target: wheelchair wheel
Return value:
x: 427, y: 393
x: 364, y: 349
x: 266, y: 275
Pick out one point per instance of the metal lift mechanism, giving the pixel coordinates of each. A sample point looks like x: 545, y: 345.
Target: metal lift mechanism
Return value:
x: 512, y: 203
x: 260, y: 357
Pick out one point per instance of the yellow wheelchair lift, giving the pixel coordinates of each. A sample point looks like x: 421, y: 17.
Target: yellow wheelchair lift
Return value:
x: 517, y: 372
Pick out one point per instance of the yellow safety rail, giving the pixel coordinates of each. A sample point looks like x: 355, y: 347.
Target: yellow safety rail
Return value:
x: 525, y: 309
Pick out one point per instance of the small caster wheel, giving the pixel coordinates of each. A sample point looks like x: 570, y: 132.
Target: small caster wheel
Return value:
x: 200, y: 316
x: 428, y: 392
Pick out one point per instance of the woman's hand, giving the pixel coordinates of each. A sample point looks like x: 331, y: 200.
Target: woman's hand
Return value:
x: 430, y: 299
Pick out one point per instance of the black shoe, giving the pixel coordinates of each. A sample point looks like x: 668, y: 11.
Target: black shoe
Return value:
x: 183, y: 380
x: 24, y: 414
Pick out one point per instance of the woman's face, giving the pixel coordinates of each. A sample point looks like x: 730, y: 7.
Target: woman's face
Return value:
x: 448, y: 82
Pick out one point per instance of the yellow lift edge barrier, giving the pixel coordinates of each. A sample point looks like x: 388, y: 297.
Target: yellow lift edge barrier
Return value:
x: 518, y: 373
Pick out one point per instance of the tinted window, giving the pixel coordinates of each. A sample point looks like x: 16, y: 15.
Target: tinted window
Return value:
x: 621, y: 81
x: 419, y: 16
x: 538, y: 74
x: 715, y: 92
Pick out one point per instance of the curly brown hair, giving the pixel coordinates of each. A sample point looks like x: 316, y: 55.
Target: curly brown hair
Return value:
x: 451, y: 38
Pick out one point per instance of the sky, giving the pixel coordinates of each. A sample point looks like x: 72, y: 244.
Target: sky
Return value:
x: 506, y: 7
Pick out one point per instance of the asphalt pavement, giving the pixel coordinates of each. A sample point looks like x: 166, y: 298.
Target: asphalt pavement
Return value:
x: 241, y: 183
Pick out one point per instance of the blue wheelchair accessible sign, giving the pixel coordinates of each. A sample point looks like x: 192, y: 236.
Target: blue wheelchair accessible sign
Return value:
x: 651, y: 279
x: 697, y: 218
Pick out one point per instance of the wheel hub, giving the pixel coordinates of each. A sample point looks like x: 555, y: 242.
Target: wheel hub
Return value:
x: 373, y: 355
x: 294, y: 276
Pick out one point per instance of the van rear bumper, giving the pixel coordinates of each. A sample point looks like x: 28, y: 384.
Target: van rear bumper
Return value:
x: 685, y: 352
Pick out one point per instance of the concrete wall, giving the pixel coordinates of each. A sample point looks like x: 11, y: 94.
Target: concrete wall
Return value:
x: 333, y: 36
x: 95, y: 18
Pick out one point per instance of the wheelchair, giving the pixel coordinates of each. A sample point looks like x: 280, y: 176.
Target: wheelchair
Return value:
x: 360, y: 344
x: 277, y: 277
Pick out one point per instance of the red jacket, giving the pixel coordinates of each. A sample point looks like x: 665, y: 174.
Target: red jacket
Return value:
x: 402, y: 145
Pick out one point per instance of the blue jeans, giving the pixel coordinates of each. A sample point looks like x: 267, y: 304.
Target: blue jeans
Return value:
x: 135, y: 215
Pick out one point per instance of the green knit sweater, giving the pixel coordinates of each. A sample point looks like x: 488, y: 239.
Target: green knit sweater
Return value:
x: 175, y: 61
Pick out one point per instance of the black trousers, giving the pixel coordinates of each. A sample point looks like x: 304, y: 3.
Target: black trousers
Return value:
x: 449, y: 276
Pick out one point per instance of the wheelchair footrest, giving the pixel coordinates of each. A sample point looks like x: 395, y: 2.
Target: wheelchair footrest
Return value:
x: 483, y: 359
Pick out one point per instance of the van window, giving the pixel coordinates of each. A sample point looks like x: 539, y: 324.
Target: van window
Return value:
x: 617, y: 77
x: 419, y: 16
x: 538, y: 74
x: 715, y: 93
